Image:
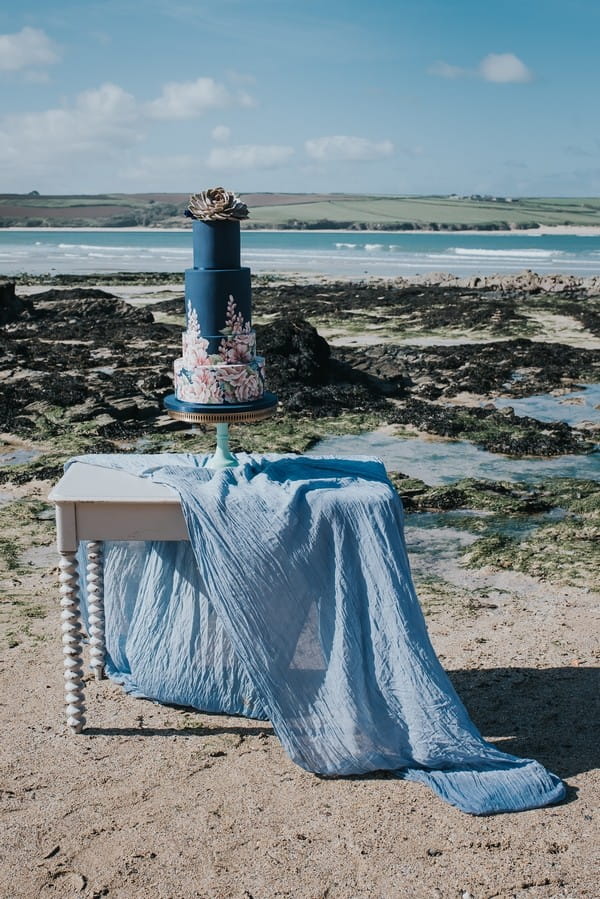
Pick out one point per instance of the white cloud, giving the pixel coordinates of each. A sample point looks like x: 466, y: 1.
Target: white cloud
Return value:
x: 243, y: 98
x: 445, y: 70
x: 106, y: 114
x: 189, y: 99
x: 107, y: 105
x: 96, y: 132
x: 221, y: 133
x: 98, y: 126
x: 504, y: 68
x: 249, y: 156
x: 28, y: 47
x: 342, y: 147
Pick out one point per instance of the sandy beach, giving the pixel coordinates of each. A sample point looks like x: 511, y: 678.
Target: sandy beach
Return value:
x: 156, y: 801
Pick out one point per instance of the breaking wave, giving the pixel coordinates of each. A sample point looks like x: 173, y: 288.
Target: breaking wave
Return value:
x: 525, y: 253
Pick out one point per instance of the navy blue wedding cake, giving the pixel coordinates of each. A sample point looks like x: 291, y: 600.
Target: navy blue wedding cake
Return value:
x: 219, y: 365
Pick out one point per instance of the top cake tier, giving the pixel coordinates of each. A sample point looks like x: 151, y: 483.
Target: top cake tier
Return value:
x: 216, y: 245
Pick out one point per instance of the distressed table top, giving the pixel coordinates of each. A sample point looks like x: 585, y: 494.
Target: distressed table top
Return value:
x: 92, y: 484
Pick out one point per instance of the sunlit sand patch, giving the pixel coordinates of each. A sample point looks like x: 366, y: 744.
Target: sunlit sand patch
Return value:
x: 406, y: 338
x: 562, y: 329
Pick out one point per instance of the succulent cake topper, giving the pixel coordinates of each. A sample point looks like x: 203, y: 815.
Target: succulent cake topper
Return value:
x: 217, y: 205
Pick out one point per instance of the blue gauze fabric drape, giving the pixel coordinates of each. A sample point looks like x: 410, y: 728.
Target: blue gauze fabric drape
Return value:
x: 294, y: 602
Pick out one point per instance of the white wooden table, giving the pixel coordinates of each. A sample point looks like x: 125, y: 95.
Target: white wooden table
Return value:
x: 97, y: 504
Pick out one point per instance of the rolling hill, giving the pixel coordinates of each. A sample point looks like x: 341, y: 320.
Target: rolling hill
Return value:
x: 314, y: 211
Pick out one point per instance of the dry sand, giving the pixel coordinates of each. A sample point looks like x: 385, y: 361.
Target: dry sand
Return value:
x: 153, y: 801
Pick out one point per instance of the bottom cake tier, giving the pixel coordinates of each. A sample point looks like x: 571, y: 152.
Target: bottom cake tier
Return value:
x: 220, y: 384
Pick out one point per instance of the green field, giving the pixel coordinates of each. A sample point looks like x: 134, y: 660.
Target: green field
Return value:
x: 305, y: 211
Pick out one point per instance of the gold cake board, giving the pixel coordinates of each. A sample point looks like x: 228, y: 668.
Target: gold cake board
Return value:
x: 232, y: 416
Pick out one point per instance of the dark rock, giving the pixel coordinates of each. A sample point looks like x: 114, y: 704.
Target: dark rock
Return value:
x: 104, y: 422
x: 90, y: 409
x: 122, y: 408
x: 132, y: 407
x: 518, y: 367
x: 295, y: 350
x: 28, y: 398
x: 72, y: 293
x: 396, y: 305
x: 305, y: 377
x: 330, y: 400
x: 385, y: 373
x: 80, y: 356
x: 499, y: 432
x: 93, y: 319
x: 170, y: 307
x: 11, y: 306
x: 156, y: 382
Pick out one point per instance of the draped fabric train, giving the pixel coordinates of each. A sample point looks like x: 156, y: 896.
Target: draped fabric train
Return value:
x: 294, y: 602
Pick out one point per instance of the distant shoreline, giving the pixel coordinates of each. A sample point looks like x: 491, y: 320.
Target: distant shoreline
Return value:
x: 129, y: 284
x: 542, y: 230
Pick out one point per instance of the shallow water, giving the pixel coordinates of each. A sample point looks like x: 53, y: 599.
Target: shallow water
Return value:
x: 572, y: 408
x: 444, y: 461
x: 435, y: 539
x: 19, y: 456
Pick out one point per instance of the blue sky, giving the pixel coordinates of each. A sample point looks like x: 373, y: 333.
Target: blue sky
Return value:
x: 365, y: 96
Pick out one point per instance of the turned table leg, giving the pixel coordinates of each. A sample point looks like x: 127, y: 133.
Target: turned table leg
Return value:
x: 72, y: 638
x: 95, y: 601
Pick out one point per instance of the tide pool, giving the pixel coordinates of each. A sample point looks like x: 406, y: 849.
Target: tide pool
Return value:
x: 443, y: 461
x: 573, y: 408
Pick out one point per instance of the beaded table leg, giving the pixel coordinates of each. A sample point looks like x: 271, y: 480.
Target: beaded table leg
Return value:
x: 95, y: 599
x: 72, y: 638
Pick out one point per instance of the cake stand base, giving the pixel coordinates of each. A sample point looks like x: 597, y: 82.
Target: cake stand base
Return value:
x: 222, y: 417
x: 223, y: 457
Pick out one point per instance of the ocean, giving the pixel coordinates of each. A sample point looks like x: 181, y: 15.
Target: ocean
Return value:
x: 332, y: 253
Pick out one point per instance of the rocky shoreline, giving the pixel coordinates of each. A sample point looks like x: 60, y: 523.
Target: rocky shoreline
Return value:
x: 81, y: 363
x: 84, y: 370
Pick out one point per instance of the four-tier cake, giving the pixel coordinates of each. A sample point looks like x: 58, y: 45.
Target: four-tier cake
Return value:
x: 219, y: 366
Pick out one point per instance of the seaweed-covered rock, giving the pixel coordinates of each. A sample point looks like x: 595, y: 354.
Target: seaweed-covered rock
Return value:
x: 566, y: 552
x: 71, y: 293
x: 295, y: 350
x: 82, y: 358
x: 518, y: 367
x: 331, y: 400
x: 90, y: 316
x: 396, y: 304
x: 301, y: 372
x: 11, y: 306
x: 499, y: 432
x: 475, y: 494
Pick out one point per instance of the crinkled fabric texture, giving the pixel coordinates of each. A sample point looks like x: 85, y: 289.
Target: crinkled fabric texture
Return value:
x: 294, y: 602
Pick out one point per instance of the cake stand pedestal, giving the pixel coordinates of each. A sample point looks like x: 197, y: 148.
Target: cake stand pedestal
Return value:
x: 222, y: 417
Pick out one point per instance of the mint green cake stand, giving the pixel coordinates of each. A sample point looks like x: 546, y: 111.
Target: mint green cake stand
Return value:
x: 222, y: 417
